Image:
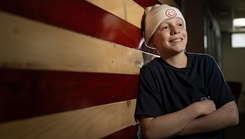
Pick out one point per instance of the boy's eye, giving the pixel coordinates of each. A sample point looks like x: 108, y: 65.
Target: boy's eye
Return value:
x: 180, y: 24
x: 164, y: 28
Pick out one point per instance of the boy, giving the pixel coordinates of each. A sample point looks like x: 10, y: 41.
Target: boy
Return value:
x: 180, y: 95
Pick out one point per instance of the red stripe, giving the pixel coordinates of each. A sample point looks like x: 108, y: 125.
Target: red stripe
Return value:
x: 28, y: 93
x: 78, y: 16
x: 127, y: 133
x: 146, y: 3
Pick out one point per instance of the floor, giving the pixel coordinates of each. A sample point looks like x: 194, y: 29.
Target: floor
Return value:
x: 236, y: 132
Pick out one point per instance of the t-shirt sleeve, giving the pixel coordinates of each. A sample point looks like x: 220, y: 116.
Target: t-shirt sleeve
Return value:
x: 219, y: 91
x: 148, y: 97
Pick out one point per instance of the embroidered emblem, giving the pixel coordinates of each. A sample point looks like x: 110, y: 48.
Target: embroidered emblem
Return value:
x: 170, y: 13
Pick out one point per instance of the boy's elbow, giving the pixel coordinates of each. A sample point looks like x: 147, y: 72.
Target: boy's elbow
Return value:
x: 147, y: 134
x: 153, y: 134
x: 147, y: 129
x: 150, y: 133
x: 234, y: 115
x: 235, y: 119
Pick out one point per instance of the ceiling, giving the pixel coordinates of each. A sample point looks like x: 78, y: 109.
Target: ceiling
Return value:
x: 225, y: 10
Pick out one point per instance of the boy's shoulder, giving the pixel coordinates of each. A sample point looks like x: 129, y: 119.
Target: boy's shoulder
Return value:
x: 200, y: 56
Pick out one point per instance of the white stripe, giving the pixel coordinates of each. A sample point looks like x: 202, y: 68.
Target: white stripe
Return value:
x: 128, y: 10
x: 89, y: 123
x: 32, y: 45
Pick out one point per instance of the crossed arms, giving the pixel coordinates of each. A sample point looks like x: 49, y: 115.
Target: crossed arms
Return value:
x: 199, y: 117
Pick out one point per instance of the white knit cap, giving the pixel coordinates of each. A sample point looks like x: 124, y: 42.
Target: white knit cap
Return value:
x: 155, y: 15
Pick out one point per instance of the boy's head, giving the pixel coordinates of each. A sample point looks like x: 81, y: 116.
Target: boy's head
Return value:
x: 155, y: 15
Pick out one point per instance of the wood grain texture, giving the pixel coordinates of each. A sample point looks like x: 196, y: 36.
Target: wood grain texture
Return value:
x: 128, y: 10
x: 146, y: 3
x: 31, y: 93
x: 42, y: 46
x: 89, y: 123
x: 78, y: 16
x: 69, y: 69
x: 127, y: 133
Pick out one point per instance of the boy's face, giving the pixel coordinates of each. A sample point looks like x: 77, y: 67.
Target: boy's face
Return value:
x: 170, y: 38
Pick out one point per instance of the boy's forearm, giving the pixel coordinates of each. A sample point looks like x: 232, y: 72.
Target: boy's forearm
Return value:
x: 224, y: 117
x: 170, y: 124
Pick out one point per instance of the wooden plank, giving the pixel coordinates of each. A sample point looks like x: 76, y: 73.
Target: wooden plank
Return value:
x: 41, y: 46
x: 127, y: 133
x: 29, y: 93
x: 89, y: 123
x: 169, y: 2
x: 128, y: 10
x: 78, y: 16
x: 146, y: 3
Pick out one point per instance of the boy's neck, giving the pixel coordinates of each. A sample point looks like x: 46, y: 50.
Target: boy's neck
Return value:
x: 178, y: 61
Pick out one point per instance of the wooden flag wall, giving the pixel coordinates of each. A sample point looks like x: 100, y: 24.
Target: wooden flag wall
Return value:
x: 69, y: 68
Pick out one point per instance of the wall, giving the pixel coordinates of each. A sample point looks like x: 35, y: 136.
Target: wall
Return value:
x: 69, y: 69
x: 233, y: 66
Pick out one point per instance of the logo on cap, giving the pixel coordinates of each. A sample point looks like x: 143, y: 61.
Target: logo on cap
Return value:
x: 170, y: 13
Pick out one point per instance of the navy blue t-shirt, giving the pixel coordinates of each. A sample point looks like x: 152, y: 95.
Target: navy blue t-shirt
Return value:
x: 165, y: 89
